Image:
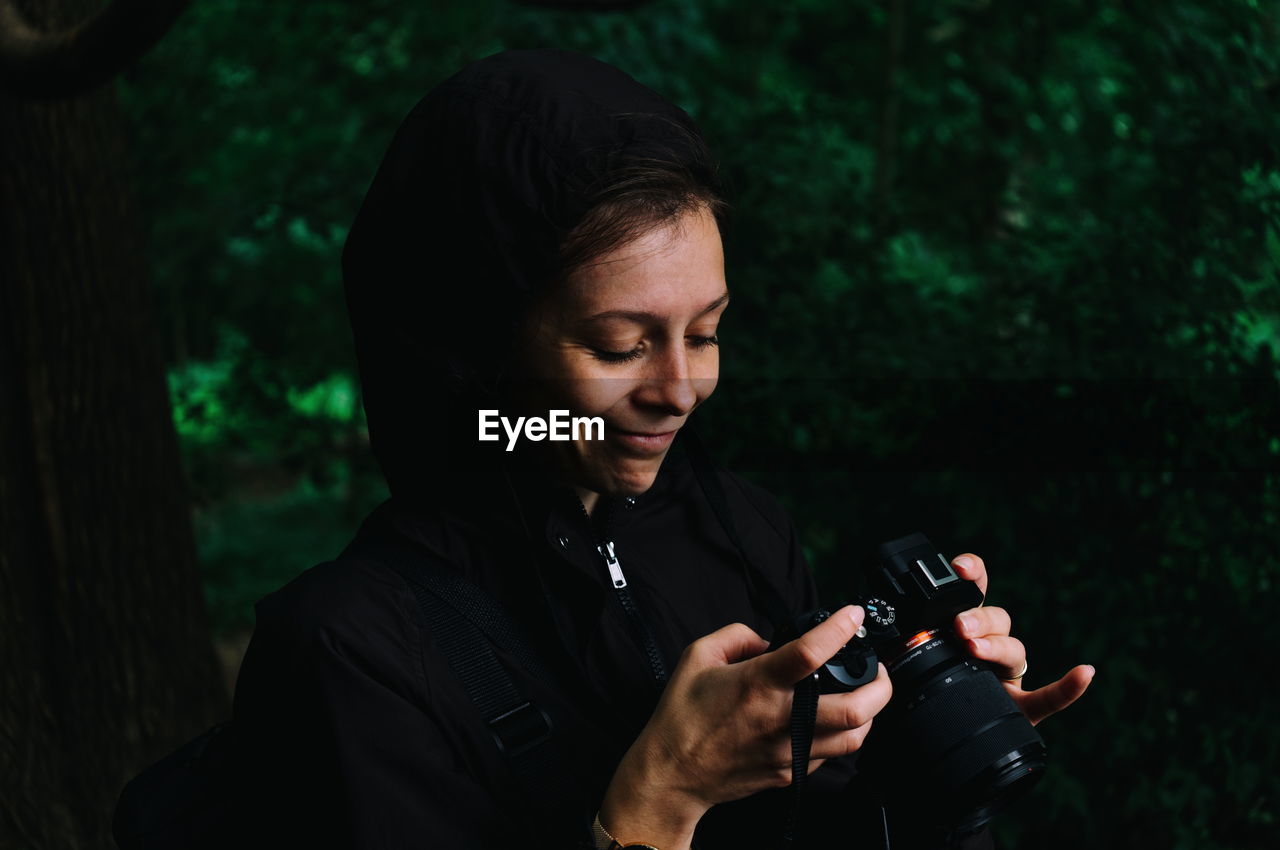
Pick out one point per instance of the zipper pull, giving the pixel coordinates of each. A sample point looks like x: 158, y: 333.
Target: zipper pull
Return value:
x: 611, y: 561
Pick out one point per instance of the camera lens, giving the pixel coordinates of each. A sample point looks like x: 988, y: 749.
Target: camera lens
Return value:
x: 952, y: 729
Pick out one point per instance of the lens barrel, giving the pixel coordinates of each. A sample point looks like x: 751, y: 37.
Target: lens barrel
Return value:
x: 951, y: 744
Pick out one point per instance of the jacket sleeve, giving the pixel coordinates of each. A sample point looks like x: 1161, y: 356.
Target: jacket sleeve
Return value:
x: 339, y: 742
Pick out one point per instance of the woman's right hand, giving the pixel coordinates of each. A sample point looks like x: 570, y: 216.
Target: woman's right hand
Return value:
x: 721, y: 730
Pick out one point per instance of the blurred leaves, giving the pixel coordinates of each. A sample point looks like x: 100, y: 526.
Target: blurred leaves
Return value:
x: 1054, y: 342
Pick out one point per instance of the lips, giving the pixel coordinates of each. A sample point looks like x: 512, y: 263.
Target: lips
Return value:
x: 644, y: 442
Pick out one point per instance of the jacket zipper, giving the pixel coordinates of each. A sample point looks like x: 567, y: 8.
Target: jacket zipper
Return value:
x: 619, y: 582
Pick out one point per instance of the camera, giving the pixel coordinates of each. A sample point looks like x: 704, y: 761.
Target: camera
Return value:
x: 951, y: 744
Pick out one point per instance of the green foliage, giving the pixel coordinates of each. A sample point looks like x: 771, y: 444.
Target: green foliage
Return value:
x: 1036, y: 314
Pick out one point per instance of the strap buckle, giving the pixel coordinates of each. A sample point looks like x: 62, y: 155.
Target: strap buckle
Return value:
x: 520, y: 729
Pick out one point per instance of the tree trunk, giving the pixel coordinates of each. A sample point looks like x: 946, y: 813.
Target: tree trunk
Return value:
x: 105, y: 657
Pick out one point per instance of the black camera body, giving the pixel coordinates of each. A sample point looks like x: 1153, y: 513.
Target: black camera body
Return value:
x: 913, y: 589
x: 950, y: 727
x: 853, y: 665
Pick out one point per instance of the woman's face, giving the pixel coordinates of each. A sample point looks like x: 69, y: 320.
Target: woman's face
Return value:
x: 630, y: 338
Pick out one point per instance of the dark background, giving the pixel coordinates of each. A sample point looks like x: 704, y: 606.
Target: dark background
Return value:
x: 1005, y: 273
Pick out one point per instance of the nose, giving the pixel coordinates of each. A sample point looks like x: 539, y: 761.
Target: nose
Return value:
x: 668, y: 386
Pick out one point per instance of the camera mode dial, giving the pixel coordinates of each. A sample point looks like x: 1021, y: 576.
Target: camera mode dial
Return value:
x: 880, y: 612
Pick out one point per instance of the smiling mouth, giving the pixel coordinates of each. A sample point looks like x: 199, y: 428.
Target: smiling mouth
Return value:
x: 644, y: 443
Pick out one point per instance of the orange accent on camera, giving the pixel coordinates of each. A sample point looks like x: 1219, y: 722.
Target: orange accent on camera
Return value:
x: 920, y: 637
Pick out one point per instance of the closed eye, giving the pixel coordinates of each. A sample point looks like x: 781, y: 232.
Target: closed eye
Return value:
x: 607, y: 356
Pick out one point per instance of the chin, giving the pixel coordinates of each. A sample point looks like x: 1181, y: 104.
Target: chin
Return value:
x: 634, y: 479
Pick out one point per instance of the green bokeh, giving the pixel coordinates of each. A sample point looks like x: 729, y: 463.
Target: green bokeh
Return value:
x: 1047, y: 333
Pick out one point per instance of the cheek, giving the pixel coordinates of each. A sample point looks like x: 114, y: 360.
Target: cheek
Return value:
x: 704, y: 388
x: 589, y: 395
x: 599, y: 395
x: 707, y: 377
x: 566, y: 380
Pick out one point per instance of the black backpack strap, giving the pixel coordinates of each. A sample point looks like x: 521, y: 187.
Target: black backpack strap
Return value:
x: 466, y: 623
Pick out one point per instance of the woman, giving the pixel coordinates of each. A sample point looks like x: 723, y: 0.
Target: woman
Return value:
x: 544, y: 234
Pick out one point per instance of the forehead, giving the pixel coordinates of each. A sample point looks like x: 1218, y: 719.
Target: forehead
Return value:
x: 667, y: 270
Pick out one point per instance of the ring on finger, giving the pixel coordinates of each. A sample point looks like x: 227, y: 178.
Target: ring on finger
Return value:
x: 1018, y: 675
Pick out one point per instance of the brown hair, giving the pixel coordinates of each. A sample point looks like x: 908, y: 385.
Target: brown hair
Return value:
x: 640, y: 193
x: 633, y: 196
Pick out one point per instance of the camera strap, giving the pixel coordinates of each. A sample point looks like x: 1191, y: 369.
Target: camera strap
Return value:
x: 804, y: 715
x: 804, y: 706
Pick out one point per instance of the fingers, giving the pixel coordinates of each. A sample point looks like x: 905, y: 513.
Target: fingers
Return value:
x: 1042, y: 702
x: 983, y: 622
x: 986, y: 634
x: 792, y: 661
x: 729, y: 645
x: 1007, y: 653
x: 842, y: 712
x: 971, y: 568
x: 835, y: 744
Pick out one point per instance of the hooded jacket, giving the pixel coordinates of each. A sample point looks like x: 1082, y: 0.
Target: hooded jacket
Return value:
x: 354, y: 729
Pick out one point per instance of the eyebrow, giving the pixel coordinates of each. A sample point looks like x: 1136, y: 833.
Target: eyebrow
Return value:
x: 646, y: 316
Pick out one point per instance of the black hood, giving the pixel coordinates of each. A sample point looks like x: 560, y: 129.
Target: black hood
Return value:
x: 462, y: 226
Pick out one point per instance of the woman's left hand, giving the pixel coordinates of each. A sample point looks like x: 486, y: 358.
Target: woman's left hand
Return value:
x: 986, y: 632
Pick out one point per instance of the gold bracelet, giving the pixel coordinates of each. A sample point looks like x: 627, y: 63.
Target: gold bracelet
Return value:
x: 604, y: 841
